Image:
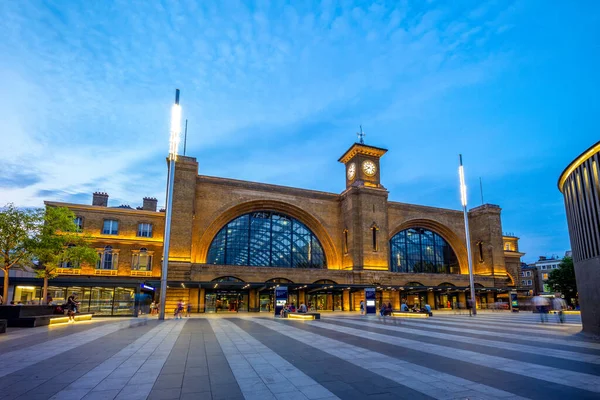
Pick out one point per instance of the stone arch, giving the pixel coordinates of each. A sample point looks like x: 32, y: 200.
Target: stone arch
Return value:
x: 279, y: 280
x: 448, y: 284
x: 457, y: 244
x: 227, y: 278
x: 413, y: 284
x: 301, y: 215
x: 324, y: 282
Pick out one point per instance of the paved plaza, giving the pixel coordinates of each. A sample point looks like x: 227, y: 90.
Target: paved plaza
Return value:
x: 345, y: 356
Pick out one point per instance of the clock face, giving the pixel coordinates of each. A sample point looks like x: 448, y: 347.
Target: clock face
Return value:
x: 369, y: 168
x: 351, y: 171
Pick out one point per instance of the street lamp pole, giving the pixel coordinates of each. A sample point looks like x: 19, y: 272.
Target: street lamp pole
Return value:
x: 463, y: 200
x: 173, y: 146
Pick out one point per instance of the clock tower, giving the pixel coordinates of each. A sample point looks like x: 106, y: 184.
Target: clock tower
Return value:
x: 364, y: 210
x: 362, y: 165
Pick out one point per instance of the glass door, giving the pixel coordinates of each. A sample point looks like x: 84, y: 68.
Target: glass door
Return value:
x: 266, y: 302
x: 210, y: 303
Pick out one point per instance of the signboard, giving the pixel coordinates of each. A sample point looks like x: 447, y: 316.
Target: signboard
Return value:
x: 514, y: 302
x: 281, y: 298
x: 146, y: 287
x: 370, y: 301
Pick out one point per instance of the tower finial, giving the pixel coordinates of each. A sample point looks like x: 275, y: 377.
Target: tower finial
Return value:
x: 361, y: 135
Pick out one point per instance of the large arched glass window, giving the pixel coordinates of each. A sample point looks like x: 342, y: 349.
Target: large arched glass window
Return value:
x: 421, y: 250
x: 266, y: 239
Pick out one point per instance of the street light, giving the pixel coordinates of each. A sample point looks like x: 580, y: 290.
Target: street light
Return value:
x: 463, y: 200
x: 173, y: 146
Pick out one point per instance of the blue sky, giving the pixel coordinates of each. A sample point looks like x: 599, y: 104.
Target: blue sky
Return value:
x: 275, y: 93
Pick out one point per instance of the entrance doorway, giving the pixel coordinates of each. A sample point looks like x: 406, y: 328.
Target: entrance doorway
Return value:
x: 219, y: 301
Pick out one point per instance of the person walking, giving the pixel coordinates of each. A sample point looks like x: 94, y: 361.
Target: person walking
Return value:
x: 559, y: 305
x: 72, y: 306
x: 470, y: 307
x: 541, y: 305
x: 362, y: 307
x: 188, y: 310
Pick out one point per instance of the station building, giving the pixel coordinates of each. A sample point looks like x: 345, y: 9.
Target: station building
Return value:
x: 232, y: 242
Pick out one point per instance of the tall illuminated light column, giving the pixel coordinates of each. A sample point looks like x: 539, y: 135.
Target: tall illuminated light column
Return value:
x: 173, y: 146
x: 463, y: 200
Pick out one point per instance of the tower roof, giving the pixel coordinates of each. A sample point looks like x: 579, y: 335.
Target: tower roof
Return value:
x: 361, y: 148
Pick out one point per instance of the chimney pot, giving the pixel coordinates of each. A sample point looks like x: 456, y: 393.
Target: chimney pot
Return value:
x: 100, y: 199
x: 149, y: 204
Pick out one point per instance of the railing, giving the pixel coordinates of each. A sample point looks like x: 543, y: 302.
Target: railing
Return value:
x: 105, y: 272
x: 68, y: 271
x: 135, y: 272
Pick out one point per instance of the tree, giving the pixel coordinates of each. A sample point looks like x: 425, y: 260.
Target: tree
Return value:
x: 58, y: 243
x: 563, y: 279
x: 17, y: 227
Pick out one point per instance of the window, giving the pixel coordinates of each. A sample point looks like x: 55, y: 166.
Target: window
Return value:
x: 69, y: 264
x: 78, y: 221
x: 141, y: 260
x: 107, y: 258
x: 507, y: 246
x: 554, y: 266
x: 523, y: 283
x: 345, y: 241
x: 374, y: 238
x: 111, y: 227
x: 144, y: 230
x: 544, y: 276
x: 529, y: 282
x: 266, y: 239
x: 543, y: 267
x: 419, y: 250
x: 480, y: 246
x: 522, y: 273
x: 528, y: 273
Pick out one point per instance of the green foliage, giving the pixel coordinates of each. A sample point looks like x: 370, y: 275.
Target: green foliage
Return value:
x: 17, y: 226
x: 57, y: 241
x: 563, y: 279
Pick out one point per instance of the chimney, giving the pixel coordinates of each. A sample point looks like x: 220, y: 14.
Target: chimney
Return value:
x: 100, y: 199
x: 149, y: 204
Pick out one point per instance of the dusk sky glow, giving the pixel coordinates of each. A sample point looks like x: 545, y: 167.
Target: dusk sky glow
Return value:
x: 276, y: 92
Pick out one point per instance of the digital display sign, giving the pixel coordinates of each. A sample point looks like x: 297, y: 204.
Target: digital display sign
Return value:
x: 370, y: 301
x: 281, y: 298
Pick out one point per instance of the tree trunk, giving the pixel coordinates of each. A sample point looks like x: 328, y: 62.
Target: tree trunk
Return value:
x: 5, y: 291
x: 45, y: 291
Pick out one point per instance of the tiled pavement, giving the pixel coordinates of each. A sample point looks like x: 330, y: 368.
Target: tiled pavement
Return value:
x: 346, y: 356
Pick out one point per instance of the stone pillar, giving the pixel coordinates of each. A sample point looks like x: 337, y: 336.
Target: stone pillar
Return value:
x: 201, y: 298
x: 302, y: 297
x: 431, y: 299
x: 194, y: 299
x: 396, y: 300
x: 490, y: 298
x: 346, y: 300
x: 462, y: 299
x: 253, y: 301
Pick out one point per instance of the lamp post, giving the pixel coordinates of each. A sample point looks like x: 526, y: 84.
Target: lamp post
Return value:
x: 173, y: 146
x: 463, y: 200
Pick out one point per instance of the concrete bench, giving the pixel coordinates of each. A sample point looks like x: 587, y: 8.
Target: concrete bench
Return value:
x: 3, y: 324
x: 43, y: 320
x: 408, y: 314
x: 308, y: 315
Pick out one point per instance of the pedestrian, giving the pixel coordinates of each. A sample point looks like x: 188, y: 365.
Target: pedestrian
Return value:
x: 188, y: 310
x: 152, y: 307
x: 382, y: 310
x: 470, y: 307
x: 404, y: 307
x: 302, y: 309
x: 428, y: 309
x: 362, y: 307
x: 49, y: 299
x: 179, y: 309
x: 559, y: 306
x: 72, y: 305
x: 541, y: 305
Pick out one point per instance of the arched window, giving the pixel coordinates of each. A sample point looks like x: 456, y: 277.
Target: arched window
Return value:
x: 141, y: 259
x: 279, y: 280
x: 107, y: 258
x: 418, y: 250
x: 266, y: 239
x: 227, y: 279
x: 413, y: 284
x: 448, y: 284
x: 325, y: 282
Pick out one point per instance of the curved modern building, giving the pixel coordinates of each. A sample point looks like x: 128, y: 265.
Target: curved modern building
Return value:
x: 580, y: 185
x: 232, y: 242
